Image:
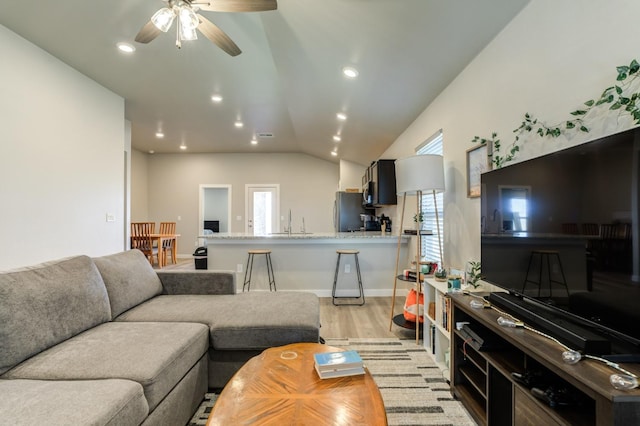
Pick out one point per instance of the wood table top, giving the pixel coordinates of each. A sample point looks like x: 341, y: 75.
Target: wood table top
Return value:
x: 281, y: 387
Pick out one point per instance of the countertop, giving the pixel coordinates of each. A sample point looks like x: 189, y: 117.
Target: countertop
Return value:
x: 372, y: 235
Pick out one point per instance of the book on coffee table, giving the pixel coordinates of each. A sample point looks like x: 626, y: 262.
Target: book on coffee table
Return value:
x: 329, y: 374
x: 338, y: 364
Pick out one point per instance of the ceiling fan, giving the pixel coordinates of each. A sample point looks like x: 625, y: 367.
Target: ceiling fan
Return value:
x: 189, y: 20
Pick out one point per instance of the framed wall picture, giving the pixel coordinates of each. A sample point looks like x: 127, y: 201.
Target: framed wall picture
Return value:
x: 478, y: 162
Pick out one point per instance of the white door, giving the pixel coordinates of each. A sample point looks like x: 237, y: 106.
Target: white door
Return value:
x: 262, y: 209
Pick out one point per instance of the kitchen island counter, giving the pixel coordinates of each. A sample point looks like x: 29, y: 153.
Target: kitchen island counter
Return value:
x: 308, y: 261
x: 327, y: 237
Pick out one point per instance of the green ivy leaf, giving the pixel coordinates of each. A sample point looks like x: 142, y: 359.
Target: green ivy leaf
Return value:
x: 619, y: 90
x: 570, y: 125
x: 540, y: 131
x: 584, y: 129
x: 622, y: 76
x: 615, y: 106
x: 624, y: 101
x: 622, y: 69
x: 579, y: 112
x: 634, y: 67
x: 589, y: 103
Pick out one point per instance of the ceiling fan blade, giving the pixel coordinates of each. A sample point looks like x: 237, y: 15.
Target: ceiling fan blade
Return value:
x: 218, y: 37
x: 148, y: 33
x: 236, y: 5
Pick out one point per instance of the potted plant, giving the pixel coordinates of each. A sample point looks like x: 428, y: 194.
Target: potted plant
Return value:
x: 441, y: 275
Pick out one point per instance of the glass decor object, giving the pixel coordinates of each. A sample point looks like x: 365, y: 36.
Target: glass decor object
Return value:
x: 623, y: 381
x: 571, y: 356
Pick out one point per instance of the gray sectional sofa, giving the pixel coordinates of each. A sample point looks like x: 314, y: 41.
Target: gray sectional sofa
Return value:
x: 110, y: 341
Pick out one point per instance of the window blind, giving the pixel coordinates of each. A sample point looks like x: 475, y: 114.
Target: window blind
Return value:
x: 430, y: 249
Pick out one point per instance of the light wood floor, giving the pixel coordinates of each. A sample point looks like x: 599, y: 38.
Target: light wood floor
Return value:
x: 369, y: 321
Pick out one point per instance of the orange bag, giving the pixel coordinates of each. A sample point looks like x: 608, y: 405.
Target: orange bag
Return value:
x: 410, y: 306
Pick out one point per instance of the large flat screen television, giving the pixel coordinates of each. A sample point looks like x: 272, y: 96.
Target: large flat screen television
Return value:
x: 560, y: 234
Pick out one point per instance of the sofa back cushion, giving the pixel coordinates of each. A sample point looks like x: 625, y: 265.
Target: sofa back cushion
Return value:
x: 45, y: 304
x: 129, y: 278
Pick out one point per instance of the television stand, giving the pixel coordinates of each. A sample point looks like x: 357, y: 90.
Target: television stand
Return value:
x: 521, y: 378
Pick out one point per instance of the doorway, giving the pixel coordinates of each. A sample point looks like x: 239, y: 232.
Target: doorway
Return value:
x: 262, y: 208
x: 215, y: 205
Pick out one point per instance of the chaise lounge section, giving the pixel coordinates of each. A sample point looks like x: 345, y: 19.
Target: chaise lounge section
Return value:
x: 145, y: 344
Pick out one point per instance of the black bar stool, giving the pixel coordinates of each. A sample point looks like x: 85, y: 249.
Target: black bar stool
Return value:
x: 249, y: 270
x: 545, y: 255
x: 335, y: 280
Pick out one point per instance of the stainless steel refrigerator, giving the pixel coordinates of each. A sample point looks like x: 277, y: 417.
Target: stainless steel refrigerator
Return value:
x: 347, y: 210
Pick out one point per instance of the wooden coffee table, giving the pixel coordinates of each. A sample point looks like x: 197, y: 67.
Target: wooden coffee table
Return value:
x: 281, y: 387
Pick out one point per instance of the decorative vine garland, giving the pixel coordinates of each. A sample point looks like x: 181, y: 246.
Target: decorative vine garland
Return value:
x: 620, y: 97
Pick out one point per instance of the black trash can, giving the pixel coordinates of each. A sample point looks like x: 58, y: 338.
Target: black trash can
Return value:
x: 200, y: 257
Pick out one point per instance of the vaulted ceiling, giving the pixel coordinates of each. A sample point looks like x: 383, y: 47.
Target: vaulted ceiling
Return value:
x: 288, y: 80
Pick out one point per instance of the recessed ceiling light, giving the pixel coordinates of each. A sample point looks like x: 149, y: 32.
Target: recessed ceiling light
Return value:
x: 341, y: 116
x: 254, y: 141
x: 216, y: 98
x: 159, y: 135
x: 183, y: 147
x: 337, y: 138
x: 151, y: 151
x: 126, y: 47
x: 334, y: 153
x: 350, y: 72
x: 238, y: 124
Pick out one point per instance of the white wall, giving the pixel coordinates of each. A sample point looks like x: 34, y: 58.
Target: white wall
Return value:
x: 552, y: 57
x: 62, y: 144
x: 307, y: 187
x: 139, y: 186
x: 351, y: 175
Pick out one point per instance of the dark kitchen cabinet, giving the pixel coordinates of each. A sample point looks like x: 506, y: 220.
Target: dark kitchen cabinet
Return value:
x: 380, y: 183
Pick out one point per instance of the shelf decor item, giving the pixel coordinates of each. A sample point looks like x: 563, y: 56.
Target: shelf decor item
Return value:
x: 473, y: 275
x: 414, y: 175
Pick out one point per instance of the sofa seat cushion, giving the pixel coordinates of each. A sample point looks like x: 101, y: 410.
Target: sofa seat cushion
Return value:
x: 156, y: 355
x: 129, y: 278
x: 46, y: 304
x: 245, y: 321
x: 78, y: 402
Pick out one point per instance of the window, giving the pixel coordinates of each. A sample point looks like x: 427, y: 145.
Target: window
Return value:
x: 430, y: 248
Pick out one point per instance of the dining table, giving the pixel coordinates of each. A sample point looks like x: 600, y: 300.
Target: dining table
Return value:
x: 159, y: 238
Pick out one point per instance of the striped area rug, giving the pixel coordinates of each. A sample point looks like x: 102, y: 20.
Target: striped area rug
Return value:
x: 412, y: 387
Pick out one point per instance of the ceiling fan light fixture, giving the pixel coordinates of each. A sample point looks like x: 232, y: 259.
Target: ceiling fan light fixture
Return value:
x: 188, y: 18
x: 187, y: 33
x: 163, y: 19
